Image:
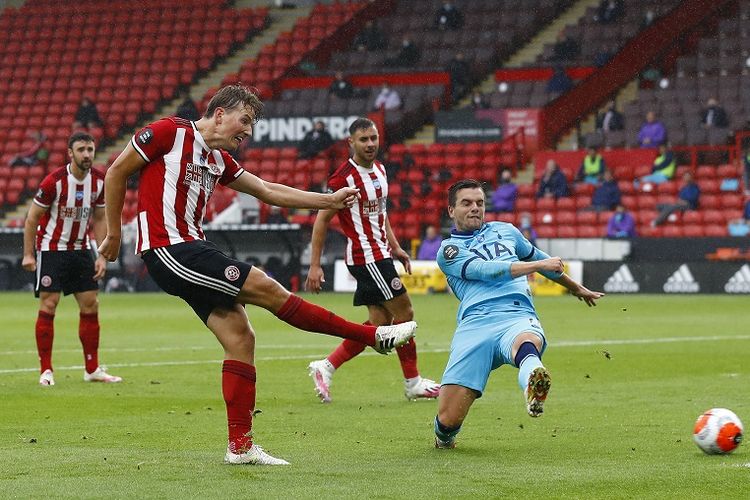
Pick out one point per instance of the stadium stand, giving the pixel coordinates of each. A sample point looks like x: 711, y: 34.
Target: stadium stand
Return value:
x: 293, y: 74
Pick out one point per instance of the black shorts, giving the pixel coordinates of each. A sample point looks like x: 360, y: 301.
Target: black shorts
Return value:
x: 69, y: 271
x: 376, y: 283
x: 199, y: 273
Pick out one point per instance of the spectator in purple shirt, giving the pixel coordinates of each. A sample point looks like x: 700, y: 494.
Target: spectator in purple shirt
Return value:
x: 504, y: 197
x: 652, y: 133
x: 621, y: 224
x: 430, y: 244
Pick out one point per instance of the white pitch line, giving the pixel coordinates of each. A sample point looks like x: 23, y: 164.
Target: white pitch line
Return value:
x: 563, y: 343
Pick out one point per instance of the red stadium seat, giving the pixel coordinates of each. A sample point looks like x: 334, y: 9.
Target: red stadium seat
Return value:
x: 589, y: 232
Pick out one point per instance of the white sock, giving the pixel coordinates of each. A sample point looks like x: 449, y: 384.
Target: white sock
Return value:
x: 411, y: 382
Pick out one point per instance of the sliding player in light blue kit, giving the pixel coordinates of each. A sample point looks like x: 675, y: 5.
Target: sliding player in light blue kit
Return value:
x: 486, y: 265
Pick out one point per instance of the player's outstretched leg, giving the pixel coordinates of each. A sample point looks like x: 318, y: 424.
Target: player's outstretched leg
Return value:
x: 312, y: 318
x: 533, y: 378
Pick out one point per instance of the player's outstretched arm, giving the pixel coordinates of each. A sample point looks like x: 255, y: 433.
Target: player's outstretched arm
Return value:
x: 115, y: 184
x: 289, y: 197
x: 315, y: 277
x: 577, y: 290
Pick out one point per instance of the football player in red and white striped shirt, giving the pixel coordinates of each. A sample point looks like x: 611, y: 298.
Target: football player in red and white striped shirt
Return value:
x: 57, y: 228
x: 370, y: 247
x: 180, y: 163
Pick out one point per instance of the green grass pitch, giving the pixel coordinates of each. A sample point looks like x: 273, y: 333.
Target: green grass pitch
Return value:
x: 629, y: 379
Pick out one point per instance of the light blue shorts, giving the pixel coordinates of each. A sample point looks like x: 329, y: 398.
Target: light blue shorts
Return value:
x: 485, y: 342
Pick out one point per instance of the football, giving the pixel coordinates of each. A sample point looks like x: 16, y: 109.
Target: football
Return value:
x: 718, y: 431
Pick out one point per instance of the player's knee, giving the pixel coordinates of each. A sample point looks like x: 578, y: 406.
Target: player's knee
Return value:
x: 49, y: 304
x: 90, y: 306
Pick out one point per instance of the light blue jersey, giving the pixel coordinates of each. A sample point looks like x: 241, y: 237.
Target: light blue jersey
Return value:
x: 477, y: 265
x: 495, y: 308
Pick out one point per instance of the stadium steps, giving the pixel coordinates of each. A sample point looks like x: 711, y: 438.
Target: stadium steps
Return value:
x: 534, y: 48
x: 526, y: 54
x: 574, y: 139
x: 279, y: 20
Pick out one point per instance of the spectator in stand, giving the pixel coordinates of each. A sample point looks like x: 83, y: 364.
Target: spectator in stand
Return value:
x: 479, y: 101
x: 430, y: 244
x: 602, y: 57
x: 407, y: 56
x: 653, y: 133
x: 714, y: 115
x: 553, y: 183
x: 663, y: 169
x: 315, y: 141
x: 741, y: 227
x: 187, y: 108
x: 87, y: 116
x: 448, y: 17
x: 524, y: 224
x: 565, y: 48
x: 621, y: 224
x: 35, y: 154
x: 559, y: 82
x: 609, y: 11
x: 648, y: 18
x: 341, y: 87
x: 610, y: 119
x: 387, y: 99
x: 606, y: 195
x: 459, y: 71
x: 592, y: 167
x: 370, y: 39
x: 504, y: 197
x: 687, y: 200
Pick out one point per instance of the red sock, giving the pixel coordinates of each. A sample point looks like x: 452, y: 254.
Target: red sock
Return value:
x: 238, y: 386
x: 307, y: 316
x: 348, y: 349
x: 45, y: 334
x: 407, y: 354
x: 88, y: 333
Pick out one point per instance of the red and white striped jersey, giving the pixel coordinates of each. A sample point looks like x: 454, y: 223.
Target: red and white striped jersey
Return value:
x: 364, y: 222
x: 70, y: 204
x: 177, y: 182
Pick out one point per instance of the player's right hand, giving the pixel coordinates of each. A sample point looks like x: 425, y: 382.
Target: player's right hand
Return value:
x: 553, y: 264
x: 344, y: 198
x: 110, y: 248
x: 315, y: 279
x: 29, y: 263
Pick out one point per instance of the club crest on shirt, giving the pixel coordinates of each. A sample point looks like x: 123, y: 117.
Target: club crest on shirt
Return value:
x: 232, y: 273
x: 376, y: 183
x: 144, y: 136
x: 450, y: 252
x: 79, y: 195
x: 46, y: 280
x: 396, y: 284
x: 214, y: 168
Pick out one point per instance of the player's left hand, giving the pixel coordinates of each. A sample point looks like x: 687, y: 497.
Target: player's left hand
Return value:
x: 344, y: 198
x: 586, y: 295
x: 100, y: 267
x: 403, y: 257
